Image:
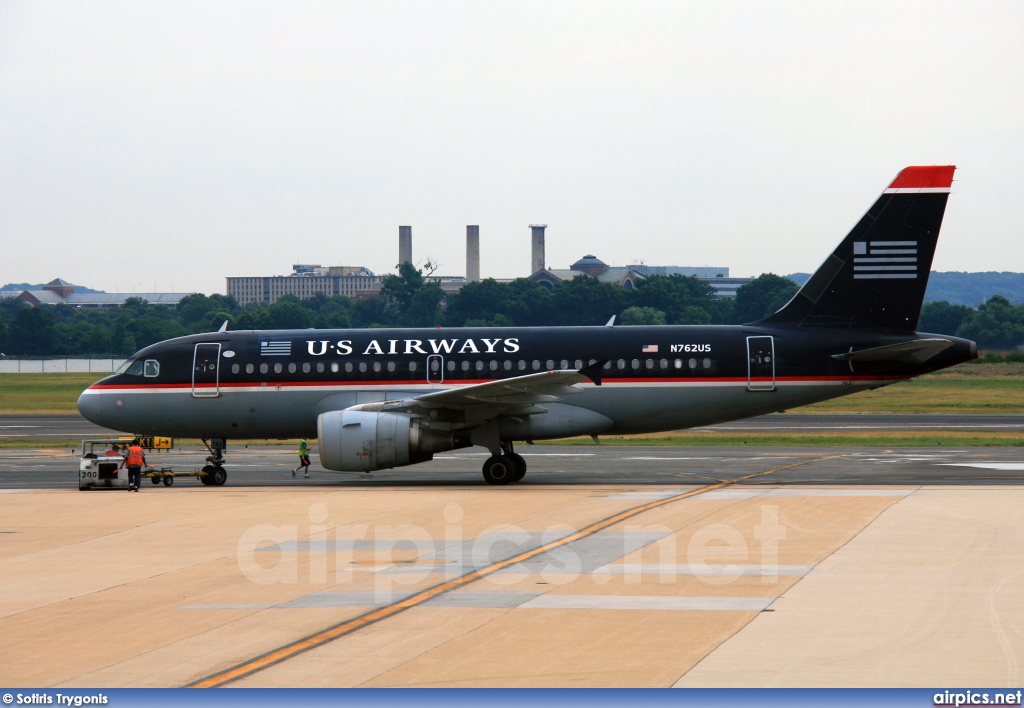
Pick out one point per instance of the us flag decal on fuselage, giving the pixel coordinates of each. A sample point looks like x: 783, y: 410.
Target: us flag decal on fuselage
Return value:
x: 275, y: 348
x: 884, y: 259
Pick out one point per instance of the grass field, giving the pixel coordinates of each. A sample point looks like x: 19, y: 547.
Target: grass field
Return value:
x: 43, y: 393
x: 968, y: 388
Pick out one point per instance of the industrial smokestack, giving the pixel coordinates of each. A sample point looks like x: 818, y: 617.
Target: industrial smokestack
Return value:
x: 537, y: 255
x: 472, y: 254
x: 404, y: 244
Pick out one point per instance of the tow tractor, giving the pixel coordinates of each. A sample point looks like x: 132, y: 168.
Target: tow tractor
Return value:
x: 100, y: 466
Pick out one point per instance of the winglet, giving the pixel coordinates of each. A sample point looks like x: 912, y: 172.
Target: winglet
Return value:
x: 593, y: 372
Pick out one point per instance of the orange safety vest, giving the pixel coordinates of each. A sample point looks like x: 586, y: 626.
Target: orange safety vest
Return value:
x: 135, y: 457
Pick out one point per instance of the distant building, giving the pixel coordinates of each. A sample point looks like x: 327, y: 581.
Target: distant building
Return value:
x: 625, y: 276
x: 305, y: 282
x: 628, y: 276
x: 61, y: 292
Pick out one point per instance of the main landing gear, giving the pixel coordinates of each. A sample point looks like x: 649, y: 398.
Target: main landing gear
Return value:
x: 214, y: 474
x: 506, y: 468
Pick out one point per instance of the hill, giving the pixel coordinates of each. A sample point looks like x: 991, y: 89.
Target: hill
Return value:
x: 961, y: 288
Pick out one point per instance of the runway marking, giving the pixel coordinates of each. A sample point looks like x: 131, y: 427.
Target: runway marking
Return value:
x: 288, y: 651
x: 1010, y: 466
x: 645, y: 602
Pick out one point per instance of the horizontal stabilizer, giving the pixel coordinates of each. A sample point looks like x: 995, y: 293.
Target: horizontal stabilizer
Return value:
x: 916, y: 351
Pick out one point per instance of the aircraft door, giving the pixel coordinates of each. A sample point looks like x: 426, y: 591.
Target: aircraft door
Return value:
x: 206, y: 371
x: 435, y: 369
x: 760, y: 363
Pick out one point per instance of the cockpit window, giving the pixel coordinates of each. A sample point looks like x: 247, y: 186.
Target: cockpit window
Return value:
x: 152, y: 368
x: 123, y: 368
x: 135, y: 369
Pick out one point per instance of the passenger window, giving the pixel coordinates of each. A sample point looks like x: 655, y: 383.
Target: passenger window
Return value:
x: 693, y: 363
x: 153, y: 368
x: 707, y: 363
x: 650, y: 363
x: 579, y: 364
x: 305, y: 368
x: 235, y: 368
x: 622, y: 363
x: 565, y: 364
x: 348, y: 367
x: 291, y: 368
x: 376, y: 366
x: 664, y: 363
x: 248, y: 368
x: 678, y: 363
x: 135, y: 369
x: 636, y: 363
x: 412, y: 366
x: 320, y: 367
x: 479, y: 366
x: 451, y: 365
x: 494, y: 366
x: 522, y: 365
x: 465, y: 366
x: 362, y: 366
x: 507, y: 365
x: 391, y: 366
x: 264, y: 368
x: 536, y: 365
x: 550, y: 364
x: 278, y: 368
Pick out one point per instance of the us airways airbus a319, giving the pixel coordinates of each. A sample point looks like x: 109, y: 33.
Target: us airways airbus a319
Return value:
x: 384, y: 398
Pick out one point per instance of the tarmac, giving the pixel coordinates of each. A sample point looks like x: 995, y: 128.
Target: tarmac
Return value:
x: 610, y: 566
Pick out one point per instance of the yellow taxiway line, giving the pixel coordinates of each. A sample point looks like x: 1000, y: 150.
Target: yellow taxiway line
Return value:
x: 276, y: 656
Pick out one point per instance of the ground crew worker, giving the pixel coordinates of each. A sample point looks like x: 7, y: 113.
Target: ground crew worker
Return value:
x: 303, y: 459
x: 135, y: 461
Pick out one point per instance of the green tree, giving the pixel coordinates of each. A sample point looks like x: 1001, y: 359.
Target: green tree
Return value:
x: 288, y: 313
x: 409, y: 299
x: 32, y: 333
x: 585, y: 300
x: 943, y: 317
x: 761, y: 297
x: 998, y: 324
x: 642, y: 316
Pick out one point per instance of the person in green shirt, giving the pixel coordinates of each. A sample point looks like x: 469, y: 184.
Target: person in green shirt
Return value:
x: 303, y: 459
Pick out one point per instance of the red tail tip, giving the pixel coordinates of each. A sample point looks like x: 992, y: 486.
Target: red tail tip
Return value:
x: 932, y: 176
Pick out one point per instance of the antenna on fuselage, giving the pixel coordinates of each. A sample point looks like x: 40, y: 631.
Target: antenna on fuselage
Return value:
x: 223, y: 327
x: 611, y: 322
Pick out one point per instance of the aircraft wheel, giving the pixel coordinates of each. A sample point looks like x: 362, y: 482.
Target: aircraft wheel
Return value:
x: 519, y: 464
x: 499, y: 470
x: 220, y: 476
x: 168, y: 481
x: 207, y: 476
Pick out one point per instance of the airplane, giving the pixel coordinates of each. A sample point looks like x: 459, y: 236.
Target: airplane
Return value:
x: 384, y: 398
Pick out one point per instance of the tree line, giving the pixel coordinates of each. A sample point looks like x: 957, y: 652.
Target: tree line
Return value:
x: 411, y: 300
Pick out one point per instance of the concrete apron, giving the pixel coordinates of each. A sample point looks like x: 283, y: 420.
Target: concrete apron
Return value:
x: 867, y: 586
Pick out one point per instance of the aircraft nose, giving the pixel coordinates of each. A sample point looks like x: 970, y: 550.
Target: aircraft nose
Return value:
x: 89, y: 406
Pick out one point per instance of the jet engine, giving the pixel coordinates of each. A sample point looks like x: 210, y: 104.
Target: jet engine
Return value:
x: 363, y: 441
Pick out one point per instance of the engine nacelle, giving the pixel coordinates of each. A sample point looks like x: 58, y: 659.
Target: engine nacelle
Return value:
x: 363, y: 441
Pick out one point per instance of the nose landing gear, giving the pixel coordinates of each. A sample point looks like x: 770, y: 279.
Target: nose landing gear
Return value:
x: 214, y: 474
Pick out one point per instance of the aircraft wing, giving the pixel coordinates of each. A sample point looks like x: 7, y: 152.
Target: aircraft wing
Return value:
x: 916, y: 351
x: 518, y: 392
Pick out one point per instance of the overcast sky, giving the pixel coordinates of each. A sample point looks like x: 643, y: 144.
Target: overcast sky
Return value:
x: 159, y: 144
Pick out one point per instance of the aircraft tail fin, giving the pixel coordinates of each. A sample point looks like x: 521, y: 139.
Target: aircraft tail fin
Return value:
x: 877, y: 276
